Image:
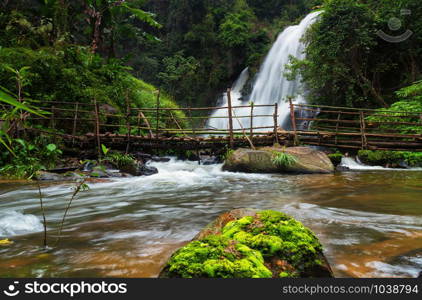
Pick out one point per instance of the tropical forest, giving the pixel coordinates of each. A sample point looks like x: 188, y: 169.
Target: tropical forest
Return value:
x: 210, y: 139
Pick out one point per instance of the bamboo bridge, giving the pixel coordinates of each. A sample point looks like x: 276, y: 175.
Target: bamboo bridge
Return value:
x: 92, y: 124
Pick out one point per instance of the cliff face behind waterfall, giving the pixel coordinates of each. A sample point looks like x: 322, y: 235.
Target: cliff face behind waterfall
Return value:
x: 270, y: 85
x: 211, y: 42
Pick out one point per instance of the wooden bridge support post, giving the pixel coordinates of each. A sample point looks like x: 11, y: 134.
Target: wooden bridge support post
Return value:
x: 75, y: 123
x: 97, y: 127
x: 128, y: 125
x: 293, y: 120
x: 53, y: 122
x: 337, y: 127
x: 363, y: 131
x: 251, y: 127
x: 194, y: 135
x: 230, y: 112
x: 157, y: 115
x: 275, y: 123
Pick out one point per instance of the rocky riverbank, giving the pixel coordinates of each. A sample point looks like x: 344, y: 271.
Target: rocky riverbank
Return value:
x: 116, y: 166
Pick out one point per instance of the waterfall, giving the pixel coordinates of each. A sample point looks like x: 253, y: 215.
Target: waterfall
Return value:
x: 270, y: 85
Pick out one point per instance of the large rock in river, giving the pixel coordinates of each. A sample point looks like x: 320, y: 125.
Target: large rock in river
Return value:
x: 302, y: 160
x: 247, y: 243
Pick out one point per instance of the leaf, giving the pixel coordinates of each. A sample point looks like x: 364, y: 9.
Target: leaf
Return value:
x: 142, y: 15
x: 11, y: 101
x: 4, y: 143
x: 5, y: 242
x: 104, y: 149
x: 51, y: 147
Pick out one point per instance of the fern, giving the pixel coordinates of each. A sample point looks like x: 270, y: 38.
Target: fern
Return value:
x: 283, y: 159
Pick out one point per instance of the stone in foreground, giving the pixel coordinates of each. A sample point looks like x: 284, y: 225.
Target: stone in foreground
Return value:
x: 305, y: 161
x: 246, y: 243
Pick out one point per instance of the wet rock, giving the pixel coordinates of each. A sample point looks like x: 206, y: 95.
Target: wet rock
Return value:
x: 142, y: 156
x: 160, y: 159
x: 145, y: 170
x: 138, y: 168
x: 251, y: 244
x: 212, y: 160
x: 62, y: 170
x: 88, y: 166
x: 303, y: 160
x: 341, y: 168
x: 47, y: 176
x: 100, y: 173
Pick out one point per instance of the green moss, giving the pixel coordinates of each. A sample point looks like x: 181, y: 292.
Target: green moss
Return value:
x: 335, y: 158
x: 285, y: 274
x: 243, y: 245
x: 217, y: 256
x: 391, y: 158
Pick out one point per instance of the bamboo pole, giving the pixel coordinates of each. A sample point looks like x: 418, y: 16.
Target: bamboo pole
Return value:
x: 129, y: 127
x: 75, y: 121
x: 97, y: 127
x: 157, y: 124
x: 362, y: 128
x: 230, y: 113
x: 146, y: 123
x: 194, y: 135
x: 177, y: 124
x: 244, y: 132
x: 293, y: 120
x: 275, y: 117
x: 337, y: 125
x: 251, y: 125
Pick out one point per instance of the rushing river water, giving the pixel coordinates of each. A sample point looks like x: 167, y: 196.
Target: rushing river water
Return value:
x: 370, y: 223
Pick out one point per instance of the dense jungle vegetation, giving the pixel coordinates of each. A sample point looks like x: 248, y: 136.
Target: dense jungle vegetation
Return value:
x: 114, y: 50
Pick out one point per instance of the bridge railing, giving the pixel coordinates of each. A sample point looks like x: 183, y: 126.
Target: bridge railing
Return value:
x: 356, y: 128
x: 76, y: 118
x: 310, y: 124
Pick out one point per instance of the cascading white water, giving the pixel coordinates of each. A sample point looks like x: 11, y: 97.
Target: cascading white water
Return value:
x: 271, y: 86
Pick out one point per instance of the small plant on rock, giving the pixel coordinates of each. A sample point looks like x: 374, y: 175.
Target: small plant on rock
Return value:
x: 283, y: 159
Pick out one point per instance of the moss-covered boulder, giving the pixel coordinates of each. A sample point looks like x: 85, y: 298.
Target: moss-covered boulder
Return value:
x: 246, y: 243
x: 298, y: 160
x: 391, y: 159
x: 336, y: 158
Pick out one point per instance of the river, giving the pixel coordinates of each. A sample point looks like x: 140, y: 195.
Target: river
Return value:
x: 369, y: 222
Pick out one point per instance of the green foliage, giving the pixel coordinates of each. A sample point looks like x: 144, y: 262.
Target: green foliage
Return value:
x: 411, y: 102
x: 243, y: 246
x: 348, y: 64
x: 390, y: 158
x: 412, y: 92
x: 120, y: 160
x: 283, y: 159
x: 75, y: 74
x: 227, y: 154
x: 104, y: 149
x: 235, y: 28
x: 29, y: 158
x: 179, y: 71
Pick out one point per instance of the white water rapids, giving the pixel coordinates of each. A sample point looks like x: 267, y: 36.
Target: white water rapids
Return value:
x: 137, y: 222
x: 270, y: 86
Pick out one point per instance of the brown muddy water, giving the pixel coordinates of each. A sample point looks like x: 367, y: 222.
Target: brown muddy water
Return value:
x: 370, y: 222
